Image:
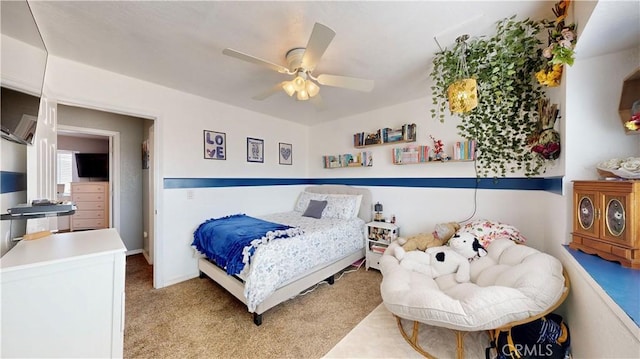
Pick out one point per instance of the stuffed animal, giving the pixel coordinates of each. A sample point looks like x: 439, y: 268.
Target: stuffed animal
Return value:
x: 438, y: 261
x: 438, y: 237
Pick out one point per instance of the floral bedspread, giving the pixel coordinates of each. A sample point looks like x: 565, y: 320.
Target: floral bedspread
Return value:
x: 275, y: 263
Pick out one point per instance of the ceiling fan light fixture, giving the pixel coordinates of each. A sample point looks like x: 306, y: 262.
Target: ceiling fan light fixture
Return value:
x: 312, y: 88
x: 303, y: 95
x: 289, y: 88
x: 299, y: 83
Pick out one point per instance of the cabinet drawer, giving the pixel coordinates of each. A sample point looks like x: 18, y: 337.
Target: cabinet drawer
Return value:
x: 83, y: 197
x: 88, y: 223
x: 603, y: 247
x: 88, y: 215
x: 88, y: 188
x: 373, y: 260
x: 81, y: 206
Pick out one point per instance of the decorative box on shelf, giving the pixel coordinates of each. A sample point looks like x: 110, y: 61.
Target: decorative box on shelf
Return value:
x: 384, y: 136
x: 378, y: 237
x: 606, y: 220
x: 358, y: 159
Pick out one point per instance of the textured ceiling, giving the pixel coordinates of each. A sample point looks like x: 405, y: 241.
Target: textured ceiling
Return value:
x: 179, y: 44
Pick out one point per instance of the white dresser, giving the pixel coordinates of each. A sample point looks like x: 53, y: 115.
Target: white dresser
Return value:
x: 63, y: 296
x: 92, y: 205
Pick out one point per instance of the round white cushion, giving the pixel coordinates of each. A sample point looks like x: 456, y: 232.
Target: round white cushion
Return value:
x: 512, y: 282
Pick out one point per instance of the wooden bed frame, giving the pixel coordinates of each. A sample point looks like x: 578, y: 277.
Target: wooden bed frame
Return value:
x: 235, y: 286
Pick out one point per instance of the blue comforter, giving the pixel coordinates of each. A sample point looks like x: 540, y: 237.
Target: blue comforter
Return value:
x: 231, y: 240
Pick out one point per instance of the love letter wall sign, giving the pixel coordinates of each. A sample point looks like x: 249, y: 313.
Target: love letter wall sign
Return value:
x: 215, y: 145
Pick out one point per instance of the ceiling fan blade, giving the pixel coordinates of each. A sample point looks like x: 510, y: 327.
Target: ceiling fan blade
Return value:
x: 319, y: 40
x: 273, y: 90
x: 255, y: 60
x: 318, y: 103
x: 351, y: 83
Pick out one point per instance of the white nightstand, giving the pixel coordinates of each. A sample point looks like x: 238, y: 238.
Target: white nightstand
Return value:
x: 378, y: 236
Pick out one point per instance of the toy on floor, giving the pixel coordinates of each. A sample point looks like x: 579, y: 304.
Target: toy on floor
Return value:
x: 422, y: 241
x: 438, y: 261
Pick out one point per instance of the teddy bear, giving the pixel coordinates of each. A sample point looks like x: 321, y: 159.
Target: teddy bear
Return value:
x: 438, y: 261
x: 422, y: 241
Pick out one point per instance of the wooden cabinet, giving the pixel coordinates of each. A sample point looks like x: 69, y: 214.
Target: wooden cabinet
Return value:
x: 63, y: 296
x: 606, y: 220
x: 92, y: 205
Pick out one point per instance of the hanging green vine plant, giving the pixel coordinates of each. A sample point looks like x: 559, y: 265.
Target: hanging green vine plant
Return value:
x: 505, y: 119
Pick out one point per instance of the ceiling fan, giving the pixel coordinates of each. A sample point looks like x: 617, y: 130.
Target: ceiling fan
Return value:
x: 301, y: 62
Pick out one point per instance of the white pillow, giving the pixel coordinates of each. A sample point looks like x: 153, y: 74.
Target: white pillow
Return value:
x: 342, y: 206
x: 305, y: 197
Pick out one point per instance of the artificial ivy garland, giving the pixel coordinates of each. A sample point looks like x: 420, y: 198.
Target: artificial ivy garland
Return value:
x: 506, y: 117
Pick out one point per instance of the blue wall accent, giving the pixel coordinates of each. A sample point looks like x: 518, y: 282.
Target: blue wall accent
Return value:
x: 551, y: 184
x: 12, y: 181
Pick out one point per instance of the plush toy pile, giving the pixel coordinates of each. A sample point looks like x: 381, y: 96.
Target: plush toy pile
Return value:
x: 422, y: 241
x: 438, y: 261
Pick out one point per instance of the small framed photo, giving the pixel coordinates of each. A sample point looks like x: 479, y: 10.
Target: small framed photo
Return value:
x: 285, y: 154
x: 215, y: 145
x: 255, y: 150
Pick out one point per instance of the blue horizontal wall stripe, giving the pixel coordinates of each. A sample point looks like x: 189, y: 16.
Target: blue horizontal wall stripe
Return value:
x: 551, y: 184
x: 12, y: 181
x: 230, y: 182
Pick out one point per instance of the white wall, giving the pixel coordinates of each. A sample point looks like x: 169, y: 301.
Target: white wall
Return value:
x: 419, y: 209
x: 180, y: 119
x: 594, y: 134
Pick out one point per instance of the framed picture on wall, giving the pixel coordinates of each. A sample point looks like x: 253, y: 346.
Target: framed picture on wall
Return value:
x: 285, y: 154
x: 215, y: 145
x: 255, y: 150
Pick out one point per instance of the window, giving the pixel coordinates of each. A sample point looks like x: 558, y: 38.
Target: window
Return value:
x: 65, y: 171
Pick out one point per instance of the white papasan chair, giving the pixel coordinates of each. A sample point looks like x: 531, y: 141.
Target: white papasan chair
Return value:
x: 513, y: 284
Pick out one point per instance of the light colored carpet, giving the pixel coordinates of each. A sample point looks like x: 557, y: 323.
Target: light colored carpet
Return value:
x: 199, y: 319
x: 377, y: 336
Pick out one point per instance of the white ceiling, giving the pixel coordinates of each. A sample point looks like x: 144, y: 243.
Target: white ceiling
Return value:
x: 179, y: 44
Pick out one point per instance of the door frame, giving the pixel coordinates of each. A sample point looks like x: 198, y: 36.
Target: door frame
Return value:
x: 114, y: 167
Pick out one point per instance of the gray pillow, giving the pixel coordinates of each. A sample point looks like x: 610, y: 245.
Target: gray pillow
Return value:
x: 315, y: 208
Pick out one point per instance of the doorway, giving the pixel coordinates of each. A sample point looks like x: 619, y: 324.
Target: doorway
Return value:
x: 132, y: 188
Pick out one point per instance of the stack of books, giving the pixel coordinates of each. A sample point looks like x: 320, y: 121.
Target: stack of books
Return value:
x: 410, y: 154
x: 464, y: 150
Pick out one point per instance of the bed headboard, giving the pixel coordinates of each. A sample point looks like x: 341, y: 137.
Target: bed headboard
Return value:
x: 366, y: 207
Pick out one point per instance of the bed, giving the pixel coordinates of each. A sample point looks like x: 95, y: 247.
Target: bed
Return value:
x: 280, y: 269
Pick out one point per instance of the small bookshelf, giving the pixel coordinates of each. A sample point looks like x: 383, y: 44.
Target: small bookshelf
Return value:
x: 358, y: 159
x: 463, y: 151
x: 385, y: 136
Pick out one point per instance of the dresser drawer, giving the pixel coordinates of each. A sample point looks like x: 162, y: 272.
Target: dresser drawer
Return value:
x: 88, y: 215
x: 89, y: 206
x: 84, y: 197
x: 88, y: 223
x: 88, y: 188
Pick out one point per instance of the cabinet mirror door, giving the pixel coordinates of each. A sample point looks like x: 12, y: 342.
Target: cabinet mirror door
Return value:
x: 586, y: 214
x: 615, y: 218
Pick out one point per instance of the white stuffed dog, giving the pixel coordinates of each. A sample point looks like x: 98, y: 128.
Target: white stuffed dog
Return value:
x: 438, y: 261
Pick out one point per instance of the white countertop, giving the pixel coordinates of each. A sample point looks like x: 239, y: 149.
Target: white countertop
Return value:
x: 61, y: 247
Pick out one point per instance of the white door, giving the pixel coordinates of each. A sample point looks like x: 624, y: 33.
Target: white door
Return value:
x: 41, y: 164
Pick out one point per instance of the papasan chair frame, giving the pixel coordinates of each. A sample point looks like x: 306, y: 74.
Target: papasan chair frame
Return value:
x: 413, y: 338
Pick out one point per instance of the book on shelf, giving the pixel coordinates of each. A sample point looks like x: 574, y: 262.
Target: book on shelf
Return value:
x: 464, y: 150
x: 385, y: 135
x: 378, y: 248
x: 410, y: 154
x: 358, y: 159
